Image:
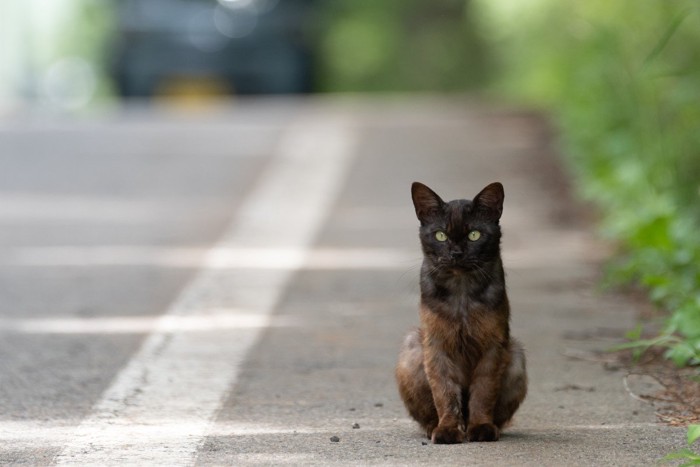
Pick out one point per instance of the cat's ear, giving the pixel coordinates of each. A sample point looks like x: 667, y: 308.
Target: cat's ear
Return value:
x: 489, y: 202
x: 427, y: 203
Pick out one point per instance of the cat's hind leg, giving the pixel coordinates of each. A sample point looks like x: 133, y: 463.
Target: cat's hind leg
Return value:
x: 413, y: 383
x: 513, y: 386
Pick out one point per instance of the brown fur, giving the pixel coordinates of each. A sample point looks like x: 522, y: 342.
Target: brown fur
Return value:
x: 460, y: 374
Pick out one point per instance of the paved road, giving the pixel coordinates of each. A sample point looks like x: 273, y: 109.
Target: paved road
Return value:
x: 231, y: 287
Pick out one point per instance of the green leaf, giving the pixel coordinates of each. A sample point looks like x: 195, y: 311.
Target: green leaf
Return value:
x: 680, y: 354
x: 634, y: 334
x: 666, y: 37
x: 682, y: 454
x: 687, y: 318
x: 693, y: 433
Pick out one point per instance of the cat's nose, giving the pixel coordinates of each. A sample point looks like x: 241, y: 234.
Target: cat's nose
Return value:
x: 455, y: 254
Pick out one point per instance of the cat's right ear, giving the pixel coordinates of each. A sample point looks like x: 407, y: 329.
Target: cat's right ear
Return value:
x: 427, y: 203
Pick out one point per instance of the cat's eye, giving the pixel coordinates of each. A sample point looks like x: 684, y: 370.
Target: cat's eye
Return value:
x: 440, y: 236
x: 474, y: 235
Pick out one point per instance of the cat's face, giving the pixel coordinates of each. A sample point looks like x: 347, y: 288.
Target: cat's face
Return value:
x: 459, y: 235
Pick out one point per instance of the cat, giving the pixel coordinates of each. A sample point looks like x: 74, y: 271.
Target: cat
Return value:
x: 460, y: 374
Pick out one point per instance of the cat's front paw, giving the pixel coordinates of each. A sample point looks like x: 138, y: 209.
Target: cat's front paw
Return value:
x: 483, y: 432
x: 447, y: 435
x: 429, y: 430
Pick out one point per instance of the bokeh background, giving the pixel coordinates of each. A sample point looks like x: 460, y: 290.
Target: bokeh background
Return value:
x: 74, y: 53
x: 620, y: 82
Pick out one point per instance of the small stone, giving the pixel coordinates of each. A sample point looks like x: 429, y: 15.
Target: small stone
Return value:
x: 424, y: 443
x: 355, y: 426
x: 352, y: 409
x: 379, y: 404
x: 335, y: 439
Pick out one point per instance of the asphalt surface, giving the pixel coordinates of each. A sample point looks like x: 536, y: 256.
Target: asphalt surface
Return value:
x: 230, y: 287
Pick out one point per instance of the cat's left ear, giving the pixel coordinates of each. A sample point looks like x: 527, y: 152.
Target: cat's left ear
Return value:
x: 427, y: 203
x: 489, y: 202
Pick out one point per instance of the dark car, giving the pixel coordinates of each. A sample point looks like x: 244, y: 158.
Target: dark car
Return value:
x: 210, y: 46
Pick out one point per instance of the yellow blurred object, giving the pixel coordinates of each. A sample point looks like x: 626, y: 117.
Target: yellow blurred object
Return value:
x: 193, y: 91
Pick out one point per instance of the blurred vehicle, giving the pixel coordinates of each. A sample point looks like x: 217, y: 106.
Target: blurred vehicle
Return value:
x: 210, y: 47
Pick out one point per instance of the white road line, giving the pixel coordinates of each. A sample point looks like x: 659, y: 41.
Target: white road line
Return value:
x: 160, y: 406
x: 218, y: 258
x: 208, y: 320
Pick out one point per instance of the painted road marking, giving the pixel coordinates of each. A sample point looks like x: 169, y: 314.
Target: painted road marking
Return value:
x: 161, y: 405
x: 216, y: 258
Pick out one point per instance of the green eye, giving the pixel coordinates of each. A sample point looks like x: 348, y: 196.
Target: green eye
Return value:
x: 440, y: 236
x: 474, y: 235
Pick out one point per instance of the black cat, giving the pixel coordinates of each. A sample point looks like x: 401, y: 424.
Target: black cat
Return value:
x: 461, y: 375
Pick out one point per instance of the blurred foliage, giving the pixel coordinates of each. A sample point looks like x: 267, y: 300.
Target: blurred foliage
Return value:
x: 87, y: 30
x: 399, y: 45
x: 54, y: 53
x: 90, y: 40
x: 623, y: 81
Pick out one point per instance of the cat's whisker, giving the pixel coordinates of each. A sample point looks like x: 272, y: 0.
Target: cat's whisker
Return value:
x: 412, y: 268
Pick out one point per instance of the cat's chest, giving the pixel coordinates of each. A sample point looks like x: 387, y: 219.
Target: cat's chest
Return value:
x: 467, y: 329
x: 470, y: 315
x: 457, y: 298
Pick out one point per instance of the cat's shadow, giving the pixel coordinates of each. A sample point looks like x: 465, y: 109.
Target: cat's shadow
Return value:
x: 546, y: 437
x: 517, y: 437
